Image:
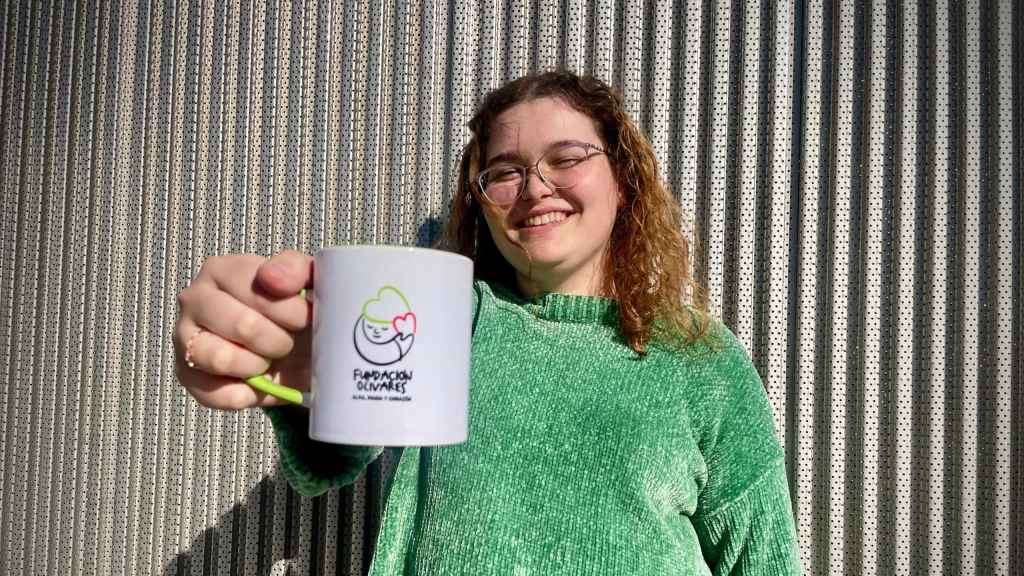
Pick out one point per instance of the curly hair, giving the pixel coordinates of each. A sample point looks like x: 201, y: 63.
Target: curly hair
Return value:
x: 648, y: 269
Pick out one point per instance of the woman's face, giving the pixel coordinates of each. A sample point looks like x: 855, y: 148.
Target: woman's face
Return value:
x: 565, y: 232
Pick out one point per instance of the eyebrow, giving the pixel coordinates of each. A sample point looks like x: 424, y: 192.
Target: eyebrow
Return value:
x: 517, y: 157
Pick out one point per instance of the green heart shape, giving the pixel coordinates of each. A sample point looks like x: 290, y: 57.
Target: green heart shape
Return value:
x: 384, y: 298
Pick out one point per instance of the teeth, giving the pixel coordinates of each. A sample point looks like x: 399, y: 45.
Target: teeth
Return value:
x: 545, y: 219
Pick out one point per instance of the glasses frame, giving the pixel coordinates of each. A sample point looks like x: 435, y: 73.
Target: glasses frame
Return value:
x: 592, y: 150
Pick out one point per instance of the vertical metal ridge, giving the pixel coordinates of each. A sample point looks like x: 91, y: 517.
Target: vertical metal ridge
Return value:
x: 6, y: 93
x: 922, y: 471
x: 107, y: 343
x: 867, y: 459
x: 816, y: 107
x: 685, y: 176
x: 866, y: 124
x: 1016, y: 535
x: 675, y: 108
x: 335, y: 72
x: 259, y: 99
x: 749, y: 129
x: 1001, y: 304
x: 823, y: 306
x: 988, y: 139
x: 139, y: 533
x: 225, y: 457
x: 11, y: 141
x: 199, y: 496
x: 547, y: 17
x: 167, y: 245
x: 372, y: 512
x: 159, y: 150
x: 703, y: 146
x: 29, y: 262
x: 434, y: 190
x: 763, y: 282
x: 731, y: 194
x: 67, y: 383
x: 937, y: 189
x: 77, y: 448
x: 400, y: 138
x: 907, y: 343
x: 954, y: 281
x: 453, y: 104
x: 571, y: 49
x: 656, y: 77
x: 778, y: 174
x: 133, y: 204
x: 720, y: 124
x: 993, y: 331
x: 309, y: 224
x: 344, y: 551
x: 315, y: 154
x: 369, y: 130
x: 232, y: 481
x: 283, y: 213
x: 968, y: 445
x: 10, y: 95
x: 633, y: 47
x: 12, y: 100
x: 184, y: 262
x: 795, y: 273
x: 315, y: 560
x: 887, y: 559
x: 237, y: 110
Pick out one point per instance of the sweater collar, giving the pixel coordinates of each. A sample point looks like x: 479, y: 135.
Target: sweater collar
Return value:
x: 571, y: 308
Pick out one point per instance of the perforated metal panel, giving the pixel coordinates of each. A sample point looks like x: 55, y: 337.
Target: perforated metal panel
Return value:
x: 853, y: 172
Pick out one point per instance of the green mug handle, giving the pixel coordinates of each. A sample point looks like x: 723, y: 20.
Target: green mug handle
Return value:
x: 264, y: 384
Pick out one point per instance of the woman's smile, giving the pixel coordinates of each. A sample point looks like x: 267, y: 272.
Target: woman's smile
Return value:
x: 555, y: 237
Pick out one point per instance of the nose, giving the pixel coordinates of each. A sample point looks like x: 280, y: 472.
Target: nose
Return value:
x: 534, y: 186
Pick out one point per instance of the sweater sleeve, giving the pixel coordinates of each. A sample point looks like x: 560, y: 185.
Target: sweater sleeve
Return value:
x: 313, y: 467
x: 744, y: 519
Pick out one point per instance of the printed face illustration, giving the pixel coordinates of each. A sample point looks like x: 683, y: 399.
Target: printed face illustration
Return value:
x: 386, y: 329
x: 378, y: 333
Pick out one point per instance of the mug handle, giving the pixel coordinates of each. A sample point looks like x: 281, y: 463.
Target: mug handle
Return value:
x: 264, y: 384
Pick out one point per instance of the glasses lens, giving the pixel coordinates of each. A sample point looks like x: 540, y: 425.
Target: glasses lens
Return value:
x: 562, y: 166
x: 501, y: 183
x: 559, y: 168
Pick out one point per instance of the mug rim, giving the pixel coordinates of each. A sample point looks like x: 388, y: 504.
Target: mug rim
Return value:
x: 391, y: 247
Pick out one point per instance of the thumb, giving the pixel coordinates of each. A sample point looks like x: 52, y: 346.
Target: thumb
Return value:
x: 287, y: 273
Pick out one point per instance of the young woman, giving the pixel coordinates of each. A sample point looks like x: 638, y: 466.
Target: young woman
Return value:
x: 614, y: 427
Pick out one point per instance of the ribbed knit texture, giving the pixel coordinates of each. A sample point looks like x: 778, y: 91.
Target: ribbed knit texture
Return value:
x: 583, y: 457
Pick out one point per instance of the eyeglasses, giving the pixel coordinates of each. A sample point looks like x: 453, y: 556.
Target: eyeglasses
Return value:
x: 559, y: 168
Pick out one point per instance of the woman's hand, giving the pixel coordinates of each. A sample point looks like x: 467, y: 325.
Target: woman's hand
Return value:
x: 242, y: 315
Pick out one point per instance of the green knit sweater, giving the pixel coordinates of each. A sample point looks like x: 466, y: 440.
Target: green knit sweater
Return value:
x: 583, y: 457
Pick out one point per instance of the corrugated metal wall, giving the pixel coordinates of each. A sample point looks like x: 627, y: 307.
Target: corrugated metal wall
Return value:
x: 854, y: 170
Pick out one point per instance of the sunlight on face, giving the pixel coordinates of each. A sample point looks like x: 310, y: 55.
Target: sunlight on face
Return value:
x: 556, y: 239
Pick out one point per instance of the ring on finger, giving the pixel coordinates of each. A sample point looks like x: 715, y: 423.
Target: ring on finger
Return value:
x: 189, y: 360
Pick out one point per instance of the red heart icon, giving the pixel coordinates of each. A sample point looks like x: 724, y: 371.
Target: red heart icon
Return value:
x: 402, y: 323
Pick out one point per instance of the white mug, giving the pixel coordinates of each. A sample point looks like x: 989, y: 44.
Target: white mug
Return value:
x: 391, y: 345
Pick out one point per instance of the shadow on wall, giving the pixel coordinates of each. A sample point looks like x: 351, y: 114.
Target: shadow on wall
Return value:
x: 429, y: 232
x: 251, y: 549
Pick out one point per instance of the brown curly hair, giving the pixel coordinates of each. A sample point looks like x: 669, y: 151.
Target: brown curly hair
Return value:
x: 649, y: 262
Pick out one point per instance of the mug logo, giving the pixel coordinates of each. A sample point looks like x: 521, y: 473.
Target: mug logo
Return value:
x: 386, y: 329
